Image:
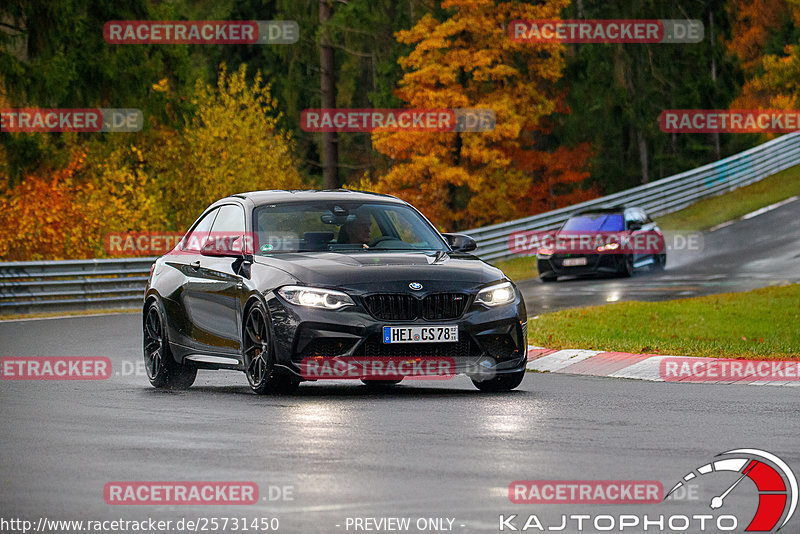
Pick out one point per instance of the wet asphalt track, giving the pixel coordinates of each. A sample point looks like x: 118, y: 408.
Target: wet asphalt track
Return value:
x: 422, y: 450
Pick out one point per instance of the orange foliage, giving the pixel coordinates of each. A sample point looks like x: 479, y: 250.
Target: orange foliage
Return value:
x: 468, y: 61
x: 43, y: 218
x: 557, y: 172
x: 753, y: 24
x: 778, y: 86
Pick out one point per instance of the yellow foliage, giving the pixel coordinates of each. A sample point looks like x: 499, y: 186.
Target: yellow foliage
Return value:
x: 124, y: 195
x: 232, y: 145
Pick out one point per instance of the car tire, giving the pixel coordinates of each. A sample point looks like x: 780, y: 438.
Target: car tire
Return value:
x: 377, y: 384
x: 546, y: 279
x: 258, y: 356
x: 162, y: 369
x: 626, y: 269
x: 500, y: 383
x: 660, y: 262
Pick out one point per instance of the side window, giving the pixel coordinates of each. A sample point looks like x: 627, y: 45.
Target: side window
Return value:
x: 230, y: 220
x: 194, y: 239
x: 228, y: 228
x: 635, y: 217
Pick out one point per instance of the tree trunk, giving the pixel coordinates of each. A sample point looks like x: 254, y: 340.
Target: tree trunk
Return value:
x: 642, y: 142
x: 715, y: 135
x: 330, y: 152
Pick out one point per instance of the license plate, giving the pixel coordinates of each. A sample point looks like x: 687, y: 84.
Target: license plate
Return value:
x: 574, y: 262
x: 420, y: 334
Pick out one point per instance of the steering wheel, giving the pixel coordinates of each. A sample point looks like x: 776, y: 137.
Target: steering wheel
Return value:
x: 380, y: 239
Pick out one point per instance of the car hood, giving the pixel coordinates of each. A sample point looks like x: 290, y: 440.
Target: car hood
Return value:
x: 387, y: 271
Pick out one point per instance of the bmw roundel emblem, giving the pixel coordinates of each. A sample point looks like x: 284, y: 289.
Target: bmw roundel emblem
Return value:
x: 416, y: 286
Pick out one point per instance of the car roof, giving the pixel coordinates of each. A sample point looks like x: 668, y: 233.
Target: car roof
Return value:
x: 613, y: 209
x: 306, y: 195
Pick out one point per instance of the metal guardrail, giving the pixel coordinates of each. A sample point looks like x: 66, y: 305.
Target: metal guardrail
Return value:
x: 119, y: 283
x: 36, y: 286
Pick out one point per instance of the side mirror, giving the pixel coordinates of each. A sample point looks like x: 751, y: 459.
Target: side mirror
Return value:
x: 461, y: 242
x: 223, y: 246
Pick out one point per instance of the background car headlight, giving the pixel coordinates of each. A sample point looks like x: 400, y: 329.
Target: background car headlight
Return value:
x: 545, y: 252
x: 496, y: 295
x: 608, y: 246
x: 313, y: 297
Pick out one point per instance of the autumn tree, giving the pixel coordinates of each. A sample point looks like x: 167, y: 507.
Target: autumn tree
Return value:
x: 232, y: 145
x: 772, y: 56
x: 757, y: 29
x: 45, y: 218
x: 466, y: 60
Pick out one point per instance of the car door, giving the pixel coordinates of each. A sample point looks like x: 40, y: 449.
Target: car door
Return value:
x: 185, y: 260
x: 218, y: 289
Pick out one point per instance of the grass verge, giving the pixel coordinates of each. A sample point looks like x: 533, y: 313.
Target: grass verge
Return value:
x: 709, y: 212
x: 519, y: 268
x: 758, y: 324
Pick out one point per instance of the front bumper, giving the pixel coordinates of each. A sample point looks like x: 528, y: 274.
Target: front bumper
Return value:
x: 491, y: 340
x: 595, y: 264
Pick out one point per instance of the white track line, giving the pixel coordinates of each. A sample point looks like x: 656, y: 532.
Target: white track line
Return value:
x: 755, y: 213
x: 648, y: 369
x: 560, y: 359
x: 769, y: 208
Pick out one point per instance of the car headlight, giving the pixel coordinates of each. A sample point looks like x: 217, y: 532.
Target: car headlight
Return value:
x: 544, y: 251
x: 609, y: 246
x: 496, y: 295
x: 313, y: 297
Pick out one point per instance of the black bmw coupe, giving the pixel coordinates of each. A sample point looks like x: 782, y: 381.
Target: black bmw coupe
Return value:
x: 266, y: 282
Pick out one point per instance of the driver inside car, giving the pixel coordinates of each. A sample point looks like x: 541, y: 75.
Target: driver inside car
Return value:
x: 356, y: 231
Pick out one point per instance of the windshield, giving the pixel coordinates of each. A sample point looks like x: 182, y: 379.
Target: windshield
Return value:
x: 595, y: 222
x: 341, y: 227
